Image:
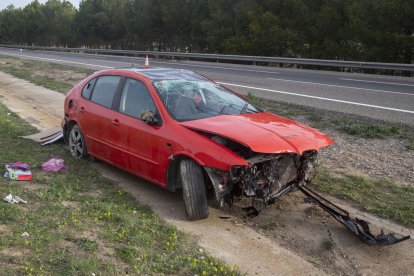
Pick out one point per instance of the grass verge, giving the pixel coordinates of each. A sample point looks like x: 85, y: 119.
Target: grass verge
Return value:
x: 54, y: 76
x: 344, y: 123
x: 380, y: 197
x: 79, y: 224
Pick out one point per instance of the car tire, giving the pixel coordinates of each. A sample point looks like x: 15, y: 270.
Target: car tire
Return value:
x: 77, y: 145
x: 194, y: 190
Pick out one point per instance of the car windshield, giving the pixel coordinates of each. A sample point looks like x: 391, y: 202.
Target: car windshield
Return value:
x: 188, y: 100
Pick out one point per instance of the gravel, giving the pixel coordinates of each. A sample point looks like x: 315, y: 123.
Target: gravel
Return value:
x: 376, y: 158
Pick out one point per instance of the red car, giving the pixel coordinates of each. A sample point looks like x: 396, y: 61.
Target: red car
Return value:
x: 180, y: 130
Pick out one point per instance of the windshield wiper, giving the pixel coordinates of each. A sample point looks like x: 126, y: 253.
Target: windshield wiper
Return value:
x: 221, y: 110
x: 244, y: 108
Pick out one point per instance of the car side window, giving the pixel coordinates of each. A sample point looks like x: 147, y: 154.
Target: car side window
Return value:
x: 105, y: 89
x: 136, y: 99
x: 87, y: 89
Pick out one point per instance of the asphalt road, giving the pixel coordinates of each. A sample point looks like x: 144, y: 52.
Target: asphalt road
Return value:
x: 387, y: 98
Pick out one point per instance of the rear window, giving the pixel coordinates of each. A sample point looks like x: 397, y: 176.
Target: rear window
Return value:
x: 105, y: 89
x: 87, y: 90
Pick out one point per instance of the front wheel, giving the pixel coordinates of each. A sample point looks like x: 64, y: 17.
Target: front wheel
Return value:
x: 194, y: 190
x: 77, y: 143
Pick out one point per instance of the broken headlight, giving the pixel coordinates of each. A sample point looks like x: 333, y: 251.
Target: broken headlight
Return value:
x: 309, y: 159
x: 237, y: 172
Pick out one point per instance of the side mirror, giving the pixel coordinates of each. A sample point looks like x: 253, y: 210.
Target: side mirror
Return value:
x: 150, y: 118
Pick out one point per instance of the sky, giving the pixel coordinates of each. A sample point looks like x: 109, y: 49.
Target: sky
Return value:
x: 22, y: 3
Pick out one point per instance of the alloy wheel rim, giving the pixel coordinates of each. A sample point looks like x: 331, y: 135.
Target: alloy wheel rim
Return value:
x: 76, y: 143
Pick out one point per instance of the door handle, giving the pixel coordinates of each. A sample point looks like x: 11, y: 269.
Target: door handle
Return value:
x: 115, y: 122
x: 82, y: 109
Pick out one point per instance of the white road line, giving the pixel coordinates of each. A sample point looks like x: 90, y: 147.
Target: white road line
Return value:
x: 256, y: 88
x: 65, y: 61
x: 341, y: 86
x: 319, y: 98
x: 382, y: 82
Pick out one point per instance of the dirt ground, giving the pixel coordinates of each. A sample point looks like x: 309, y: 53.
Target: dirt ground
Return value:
x: 291, y: 237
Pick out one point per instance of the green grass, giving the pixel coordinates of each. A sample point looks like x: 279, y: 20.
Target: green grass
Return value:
x: 408, y: 135
x: 365, y: 129
x: 57, y: 77
x: 380, y: 197
x: 272, y: 224
x: 79, y: 223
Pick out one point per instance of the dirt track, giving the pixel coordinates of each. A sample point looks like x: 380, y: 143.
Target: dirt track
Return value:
x: 290, y: 238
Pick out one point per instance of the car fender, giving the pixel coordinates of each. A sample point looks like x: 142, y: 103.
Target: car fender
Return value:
x: 204, y: 151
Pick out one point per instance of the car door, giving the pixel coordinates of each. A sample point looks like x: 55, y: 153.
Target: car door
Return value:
x: 141, y: 147
x: 97, y: 115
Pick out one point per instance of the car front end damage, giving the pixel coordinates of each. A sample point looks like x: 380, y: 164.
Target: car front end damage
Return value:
x: 270, y: 176
x: 266, y: 178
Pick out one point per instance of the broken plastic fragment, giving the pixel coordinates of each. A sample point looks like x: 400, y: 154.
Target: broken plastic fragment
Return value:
x: 46, y: 137
x: 9, y: 199
x: 25, y: 234
x: 51, y: 141
x: 18, y: 200
x: 14, y: 199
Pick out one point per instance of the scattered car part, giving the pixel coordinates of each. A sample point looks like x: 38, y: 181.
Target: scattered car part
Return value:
x: 46, y: 137
x: 58, y: 137
x: 14, y: 199
x: 357, y: 226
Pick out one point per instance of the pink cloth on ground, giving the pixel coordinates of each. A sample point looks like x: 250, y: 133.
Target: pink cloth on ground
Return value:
x: 53, y: 165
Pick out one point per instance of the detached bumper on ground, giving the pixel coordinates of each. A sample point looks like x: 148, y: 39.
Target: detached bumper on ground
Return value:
x: 357, y: 226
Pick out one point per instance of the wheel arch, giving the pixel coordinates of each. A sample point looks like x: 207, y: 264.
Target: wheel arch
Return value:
x: 173, y: 178
x: 66, y: 129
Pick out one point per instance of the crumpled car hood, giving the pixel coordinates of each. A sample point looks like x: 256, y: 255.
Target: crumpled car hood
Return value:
x: 263, y: 132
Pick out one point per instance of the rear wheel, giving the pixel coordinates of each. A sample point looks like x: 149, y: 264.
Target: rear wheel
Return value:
x: 77, y: 143
x: 194, y: 190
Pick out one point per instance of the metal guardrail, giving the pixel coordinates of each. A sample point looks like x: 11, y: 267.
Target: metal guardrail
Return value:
x: 219, y: 57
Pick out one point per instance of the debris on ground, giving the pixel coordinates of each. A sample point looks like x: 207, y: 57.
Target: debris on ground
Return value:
x: 25, y: 234
x: 53, y: 165
x: 46, y: 137
x: 14, y: 199
x: 18, y: 171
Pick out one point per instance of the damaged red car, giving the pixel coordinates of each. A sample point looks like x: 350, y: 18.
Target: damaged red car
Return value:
x: 182, y: 131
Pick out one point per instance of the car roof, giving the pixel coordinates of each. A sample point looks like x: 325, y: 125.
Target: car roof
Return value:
x: 157, y: 74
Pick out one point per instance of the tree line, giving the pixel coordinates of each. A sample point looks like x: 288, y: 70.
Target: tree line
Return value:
x: 366, y: 30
